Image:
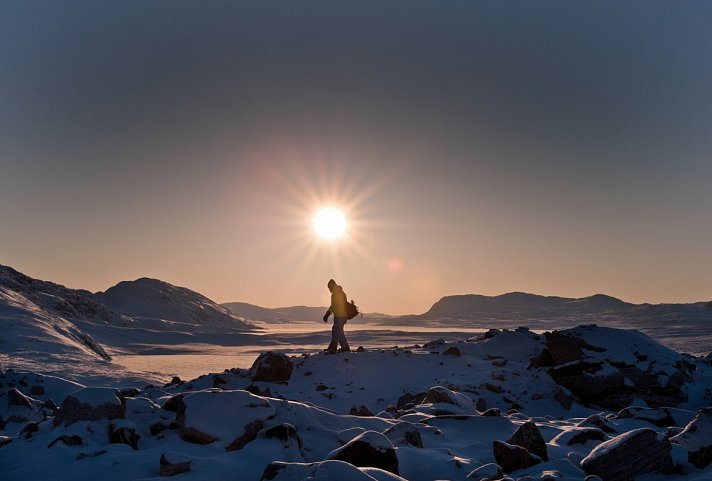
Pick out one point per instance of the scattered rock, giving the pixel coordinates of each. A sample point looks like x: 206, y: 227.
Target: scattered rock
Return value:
x: 598, y: 422
x: 218, y: 381
x: 258, y: 391
x: 176, y: 381
x: 249, y: 435
x: 68, y: 440
x: 529, y: 437
x: 90, y: 404
x: 28, y: 429
x: 492, y: 412
x: 511, y: 457
x: 408, y: 400
x: 369, y: 449
x: 16, y: 398
x: 440, y: 394
x: 360, y: 349
x: 404, y: 433
x: 360, y: 410
x: 5, y: 440
x: 284, y: 432
x: 129, y: 392
x: 628, y: 455
x: 563, y: 397
x: 453, y: 351
x: 157, y: 428
x: 172, y: 404
x: 123, y: 435
x: 272, y: 367
x: 696, y: 438
x: 37, y: 390
x: 171, y: 467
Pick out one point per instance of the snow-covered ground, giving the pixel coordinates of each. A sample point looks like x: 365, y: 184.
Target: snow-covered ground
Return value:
x: 82, y: 395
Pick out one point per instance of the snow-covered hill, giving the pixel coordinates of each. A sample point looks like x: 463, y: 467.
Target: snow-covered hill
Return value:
x: 48, y: 327
x: 154, y: 299
x: 589, y: 401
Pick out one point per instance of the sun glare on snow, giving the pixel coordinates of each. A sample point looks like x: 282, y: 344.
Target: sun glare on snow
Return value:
x: 329, y: 223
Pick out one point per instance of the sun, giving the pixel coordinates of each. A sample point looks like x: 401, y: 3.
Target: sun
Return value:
x: 329, y: 223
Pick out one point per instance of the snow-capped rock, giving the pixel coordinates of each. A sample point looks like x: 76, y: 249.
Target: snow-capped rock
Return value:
x: 696, y: 438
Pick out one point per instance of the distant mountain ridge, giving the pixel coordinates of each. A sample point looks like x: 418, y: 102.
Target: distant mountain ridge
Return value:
x: 514, y: 305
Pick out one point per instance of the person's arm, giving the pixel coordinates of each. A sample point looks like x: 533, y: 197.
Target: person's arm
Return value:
x: 326, y: 316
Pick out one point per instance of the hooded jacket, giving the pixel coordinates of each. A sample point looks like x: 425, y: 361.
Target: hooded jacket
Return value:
x: 338, y: 302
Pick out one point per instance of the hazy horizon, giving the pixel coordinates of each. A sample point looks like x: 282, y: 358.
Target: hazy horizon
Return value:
x: 475, y: 147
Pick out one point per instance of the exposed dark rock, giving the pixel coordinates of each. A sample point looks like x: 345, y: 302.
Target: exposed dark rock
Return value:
x: 587, y: 434
x: 360, y: 410
x: 481, y: 404
x: 528, y: 436
x: 272, y: 367
x: 37, y: 390
x: 218, y: 381
x: 73, y: 410
x: 408, y: 400
x: 176, y: 381
x: 453, y: 351
x: 258, y: 391
x: 369, y: 449
x: 68, y: 440
x: 50, y: 405
x: 564, y: 349
x: 563, y: 397
x: 16, y: 398
x: 440, y: 394
x: 5, y: 440
x: 273, y: 470
x: 129, y: 392
x: 157, y: 428
x: 629, y: 455
x: 360, y: 349
x: 321, y: 387
x: 661, y: 417
x: 511, y: 457
x: 696, y: 438
x: 81, y: 456
x: 404, y: 433
x: 28, y: 429
x: 123, y: 435
x: 249, y: 435
x: 544, y: 359
x: 172, y: 468
x: 492, y: 412
x: 597, y: 421
x: 172, y: 404
x: 283, y: 432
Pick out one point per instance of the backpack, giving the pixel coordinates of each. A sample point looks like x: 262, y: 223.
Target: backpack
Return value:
x: 352, y: 310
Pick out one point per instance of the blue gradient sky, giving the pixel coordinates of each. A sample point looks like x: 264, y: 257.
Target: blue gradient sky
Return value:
x: 560, y: 148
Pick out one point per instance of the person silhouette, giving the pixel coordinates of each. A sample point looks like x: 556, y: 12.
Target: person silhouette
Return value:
x: 338, y: 308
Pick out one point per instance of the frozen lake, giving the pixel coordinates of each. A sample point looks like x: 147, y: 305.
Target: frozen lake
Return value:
x: 189, y: 360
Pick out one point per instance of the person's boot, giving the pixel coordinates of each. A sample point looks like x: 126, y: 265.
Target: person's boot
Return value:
x: 331, y: 349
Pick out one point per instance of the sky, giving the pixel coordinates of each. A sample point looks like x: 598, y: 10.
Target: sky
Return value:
x: 559, y: 148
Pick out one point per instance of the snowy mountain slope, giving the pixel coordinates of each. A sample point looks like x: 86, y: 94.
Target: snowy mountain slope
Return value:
x: 48, y: 327
x: 433, y: 417
x: 154, y: 299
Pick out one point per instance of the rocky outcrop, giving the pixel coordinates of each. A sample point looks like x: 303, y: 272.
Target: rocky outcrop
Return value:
x: 369, y: 449
x: 272, y: 367
x: 404, y: 433
x: 440, y: 394
x: 629, y: 455
x: 529, y: 437
x: 170, y: 465
x: 696, y: 438
x: 123, y: 435
x: 90, y: 404
x: 512, y: 457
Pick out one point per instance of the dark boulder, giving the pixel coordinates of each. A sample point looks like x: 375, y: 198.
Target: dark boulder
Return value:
x: 360, y: 410
x: 529, y: 437
x: 628, y: 455
x: 123, y: 435
x: 409, y: 399
x: 453, y: 351
x: 170, y: 466
x: 404, y: 433
x: 90, y: 404
x: 696, y: 438
x: 249, y: 435
x: 284, y: 432
x: 369, y: 449
x: 272, y: 367
x: 16, y: 398
x: 486, y: 472
x: 73, y: 440
x: 512, y: 457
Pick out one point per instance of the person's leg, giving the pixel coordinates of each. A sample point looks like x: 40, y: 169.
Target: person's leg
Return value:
x: 341, y: 335
x: 334, y: 338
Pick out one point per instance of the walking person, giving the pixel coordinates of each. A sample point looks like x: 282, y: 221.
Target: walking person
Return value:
x: 338, y: 308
